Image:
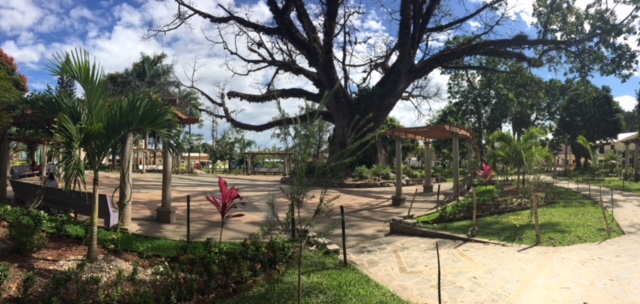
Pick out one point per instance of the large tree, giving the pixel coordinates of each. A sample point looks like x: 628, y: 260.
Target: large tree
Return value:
x: 324, y: 43
x: 589, y: 111
x: 13, y: 85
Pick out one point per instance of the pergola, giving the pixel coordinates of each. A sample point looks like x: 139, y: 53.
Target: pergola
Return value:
x: 24, y: 118
x: 635, y: 140
x: 426, y: 134
x: 286, y: 156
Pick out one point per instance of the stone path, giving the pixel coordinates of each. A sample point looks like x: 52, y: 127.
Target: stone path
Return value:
x: 605, y: 272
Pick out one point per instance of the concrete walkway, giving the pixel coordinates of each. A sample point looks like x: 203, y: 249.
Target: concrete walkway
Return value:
x: 605, y: 272
x: 368, y: 211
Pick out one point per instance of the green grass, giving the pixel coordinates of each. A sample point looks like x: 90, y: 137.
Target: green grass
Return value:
x: 324, y: 280
x: 573, y: 219
x: 614, y: 183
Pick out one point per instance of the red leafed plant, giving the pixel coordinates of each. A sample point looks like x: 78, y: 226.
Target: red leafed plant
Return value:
x: 226, y: 203
x: 486, y: 174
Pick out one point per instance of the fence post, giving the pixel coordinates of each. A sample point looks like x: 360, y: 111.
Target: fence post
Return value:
x: 188, y: 218
x: 344, y: 236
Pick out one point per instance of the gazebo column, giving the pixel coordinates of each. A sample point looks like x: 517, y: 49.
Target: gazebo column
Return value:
x: 43, y: 166
x: 626, y: 159
x: 455, y: 166
x: 250, y: 164
x: 165, y: 212
x: 427, y: 187
x: 635, y: 160
x: 287, y: 165
x: 398, y: 199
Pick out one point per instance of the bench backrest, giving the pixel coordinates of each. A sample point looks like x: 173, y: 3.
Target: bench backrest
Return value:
x: 78, y: 201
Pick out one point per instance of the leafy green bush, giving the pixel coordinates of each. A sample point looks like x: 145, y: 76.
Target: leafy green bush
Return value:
x: 362, y: 172
x: 379, y: 171
x: 26, y: 231
x: 4, y: 275
x: 9, y: 213
x: 487, y: 194
x: 464, y: 208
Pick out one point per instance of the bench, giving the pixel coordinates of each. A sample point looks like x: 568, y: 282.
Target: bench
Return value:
x: 55, y: 198
x: 22, y: 171
x: 273, y: 171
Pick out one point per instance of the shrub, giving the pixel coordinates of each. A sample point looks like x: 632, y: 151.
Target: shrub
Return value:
x: 362, y: 172
x: 379, y: 171
x: 26, y: 231
x: 487, y: 194
x: 4, y: 275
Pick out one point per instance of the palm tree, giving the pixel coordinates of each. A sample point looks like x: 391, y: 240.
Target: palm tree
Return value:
x: 523, y: 153
x: 94, y: 123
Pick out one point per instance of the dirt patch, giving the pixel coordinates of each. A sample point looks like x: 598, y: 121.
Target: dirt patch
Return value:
x: 60, y: 254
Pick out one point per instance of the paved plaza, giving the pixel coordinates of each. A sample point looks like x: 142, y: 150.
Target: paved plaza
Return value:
x: 605, y: 272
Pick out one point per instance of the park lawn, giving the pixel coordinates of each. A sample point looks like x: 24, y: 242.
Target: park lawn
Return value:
x: 572, y: 219
x: 614, y: 183
x: 324, y: 280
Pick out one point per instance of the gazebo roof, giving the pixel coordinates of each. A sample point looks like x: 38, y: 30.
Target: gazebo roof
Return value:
x: 444, y: 131
x: 268, y: 153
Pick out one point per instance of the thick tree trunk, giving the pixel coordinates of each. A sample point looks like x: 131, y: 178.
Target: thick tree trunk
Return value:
x: 4, y: 163
x: 126, y: 182
x: 92, y: 254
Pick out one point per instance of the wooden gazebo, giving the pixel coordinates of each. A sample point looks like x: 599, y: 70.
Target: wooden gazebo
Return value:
x: 426, y: 134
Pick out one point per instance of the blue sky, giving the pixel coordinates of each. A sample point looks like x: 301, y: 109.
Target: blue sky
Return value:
x: 112, y: 30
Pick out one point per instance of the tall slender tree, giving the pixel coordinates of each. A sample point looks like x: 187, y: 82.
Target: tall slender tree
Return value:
x: 94, y: 123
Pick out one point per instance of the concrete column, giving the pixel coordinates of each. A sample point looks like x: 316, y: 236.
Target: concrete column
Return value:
x: 43, y: 169
x: 250, y: 165
x: 636, y: 174
x: 427, y: 186
x: 626, y: 159
x: 398, y: 199
x: 455, y: 166
x: 165, y: 212
x: 145, y: 154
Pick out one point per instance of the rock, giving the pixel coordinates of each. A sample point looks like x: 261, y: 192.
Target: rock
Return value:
x: 333, y: 248
x: 389, y: 176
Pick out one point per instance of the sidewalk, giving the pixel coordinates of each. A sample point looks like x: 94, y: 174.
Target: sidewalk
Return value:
x: 605, y: 272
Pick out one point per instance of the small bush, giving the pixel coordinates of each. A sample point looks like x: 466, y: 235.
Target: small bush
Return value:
x: 362, y: 172
x: 379, y: 171
x: 26, y: 231
x: 4, y: 276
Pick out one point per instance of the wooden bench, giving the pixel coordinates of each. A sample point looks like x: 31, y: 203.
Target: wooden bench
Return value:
x: 273, y: 171
x: 56, y: 198
x: 22, y: 171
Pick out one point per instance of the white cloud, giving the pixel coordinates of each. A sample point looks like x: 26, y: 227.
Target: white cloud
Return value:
x: 16, y: 16
x: 627, y: 102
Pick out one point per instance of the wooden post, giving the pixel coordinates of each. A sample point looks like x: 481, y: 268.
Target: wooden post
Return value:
x: 344, y: 237
x: 474, y: 230
x: 438, y: 198
x: 188, y: 218
x: 411, y: 205
x: 439, y: 275
x: 536, y: 218
x: 606, y: 220
x: 428, y: 185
